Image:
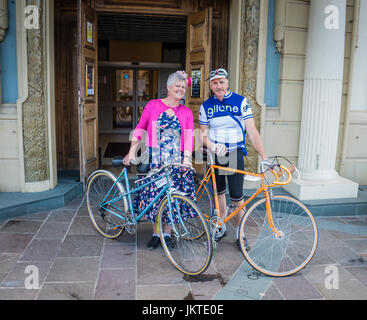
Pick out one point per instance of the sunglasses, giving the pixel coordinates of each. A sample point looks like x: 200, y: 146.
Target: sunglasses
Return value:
x: 218, y: 72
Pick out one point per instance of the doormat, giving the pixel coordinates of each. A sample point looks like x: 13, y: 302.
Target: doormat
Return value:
x: 115, y: 149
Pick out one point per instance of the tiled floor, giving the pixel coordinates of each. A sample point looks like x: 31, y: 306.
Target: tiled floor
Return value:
x: 59, y: 255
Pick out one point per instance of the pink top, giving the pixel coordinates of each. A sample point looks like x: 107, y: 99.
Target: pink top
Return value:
x: 149, y: 118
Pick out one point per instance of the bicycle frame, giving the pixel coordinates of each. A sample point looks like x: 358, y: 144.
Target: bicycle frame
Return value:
x: 264, y: 188
x: 124, y: 177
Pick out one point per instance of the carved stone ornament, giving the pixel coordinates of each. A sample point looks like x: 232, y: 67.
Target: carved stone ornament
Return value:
x: 35, y: 137
x: 250, y: 43
x: 4, y: 20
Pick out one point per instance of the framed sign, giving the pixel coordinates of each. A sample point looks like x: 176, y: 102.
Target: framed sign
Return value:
x: 89, y: 32
x: 89, y: 80
x: 196, y: 86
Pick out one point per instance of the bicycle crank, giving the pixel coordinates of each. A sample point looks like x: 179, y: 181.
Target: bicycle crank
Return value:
x: 130, y: 223
x: 217, y: 228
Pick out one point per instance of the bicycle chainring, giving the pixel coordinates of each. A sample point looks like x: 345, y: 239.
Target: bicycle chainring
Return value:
x: 130, y: 226
x: 217, y: 226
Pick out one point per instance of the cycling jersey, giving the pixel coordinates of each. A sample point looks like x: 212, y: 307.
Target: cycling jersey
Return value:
x: 222, y: 127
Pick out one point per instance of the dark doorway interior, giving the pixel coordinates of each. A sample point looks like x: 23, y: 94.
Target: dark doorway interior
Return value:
x: 136, y: 53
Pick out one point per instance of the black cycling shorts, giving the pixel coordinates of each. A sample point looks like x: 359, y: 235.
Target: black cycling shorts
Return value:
x: 235, y: 160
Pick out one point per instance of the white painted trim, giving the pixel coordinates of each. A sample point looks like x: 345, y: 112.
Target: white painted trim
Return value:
x: 234, y: 44
x: 50, y: 85
x: 22, y: 62
x: 8, y: 111
x: 261, y: 66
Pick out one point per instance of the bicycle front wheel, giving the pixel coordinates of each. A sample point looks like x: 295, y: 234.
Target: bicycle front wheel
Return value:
x: 288, y: 251
x: 190, y: 249
x: 107, y: 216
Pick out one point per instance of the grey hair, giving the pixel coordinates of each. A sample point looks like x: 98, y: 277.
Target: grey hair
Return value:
x: 173, y: 77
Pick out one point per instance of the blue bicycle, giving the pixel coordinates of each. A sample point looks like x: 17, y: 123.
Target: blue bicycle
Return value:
x: 110, y: 207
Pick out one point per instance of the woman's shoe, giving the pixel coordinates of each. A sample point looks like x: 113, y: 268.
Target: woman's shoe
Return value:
x: 154, y: 243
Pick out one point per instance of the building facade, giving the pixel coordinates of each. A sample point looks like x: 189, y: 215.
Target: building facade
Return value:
x: 74, y: 81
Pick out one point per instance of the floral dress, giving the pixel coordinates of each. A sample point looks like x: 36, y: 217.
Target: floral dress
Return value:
x: 167, y: 152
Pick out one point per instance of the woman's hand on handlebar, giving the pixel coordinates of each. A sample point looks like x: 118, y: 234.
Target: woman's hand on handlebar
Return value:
x: 128, y: 160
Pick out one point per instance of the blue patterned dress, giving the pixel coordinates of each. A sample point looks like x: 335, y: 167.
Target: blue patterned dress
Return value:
x: 167, y: 152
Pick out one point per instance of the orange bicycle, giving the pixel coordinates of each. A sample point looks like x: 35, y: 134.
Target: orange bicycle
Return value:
x: 278, y: 234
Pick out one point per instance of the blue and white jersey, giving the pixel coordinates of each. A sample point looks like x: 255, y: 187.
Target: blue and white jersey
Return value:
x: 222, y: 127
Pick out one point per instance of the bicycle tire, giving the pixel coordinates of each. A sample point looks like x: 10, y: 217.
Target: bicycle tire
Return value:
x: 204, y: 198
x: 106, y: 223
x: 193, y: 249
x: 273, y: 255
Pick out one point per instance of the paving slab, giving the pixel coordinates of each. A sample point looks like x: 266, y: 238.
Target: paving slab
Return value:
x: 164, y: 292
x: 346, y: 290
x: 118, y: 256
x: 53, y: 230
x: 118, y: 284
x: 81, y: 246
x: 74, y: 269
x: 297, y: 287
x: 14, y: 242
x: 67, y: 291
x: 41, y: 250
x: 19, y: 226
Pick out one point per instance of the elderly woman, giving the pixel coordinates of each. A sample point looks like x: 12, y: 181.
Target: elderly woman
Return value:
x: 169, y: 126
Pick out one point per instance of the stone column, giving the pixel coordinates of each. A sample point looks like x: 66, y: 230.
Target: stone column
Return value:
x: 322, y: 96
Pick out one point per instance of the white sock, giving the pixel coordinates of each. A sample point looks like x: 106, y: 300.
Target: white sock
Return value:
x: 156, y: 235
x: 166, y: 234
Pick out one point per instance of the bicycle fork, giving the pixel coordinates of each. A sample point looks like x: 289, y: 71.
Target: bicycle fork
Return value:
x: 269, y: 214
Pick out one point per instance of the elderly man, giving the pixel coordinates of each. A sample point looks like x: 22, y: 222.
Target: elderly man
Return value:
x: 224, y: 119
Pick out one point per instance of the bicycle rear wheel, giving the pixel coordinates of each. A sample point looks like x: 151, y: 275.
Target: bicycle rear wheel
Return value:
x: 102, y: 187
x: 192, y: 246
x: 204, y: 198
x: 282, y: 255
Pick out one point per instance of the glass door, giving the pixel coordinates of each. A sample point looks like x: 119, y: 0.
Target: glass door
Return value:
x: 123, y: 111
x: 134, y: 89
x: 123, y: 95
x: 146, y: 89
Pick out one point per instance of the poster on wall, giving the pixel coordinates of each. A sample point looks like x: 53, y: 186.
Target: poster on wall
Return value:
x: 196, y: 75
x: 89, y: 72
x: 89, y: 32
